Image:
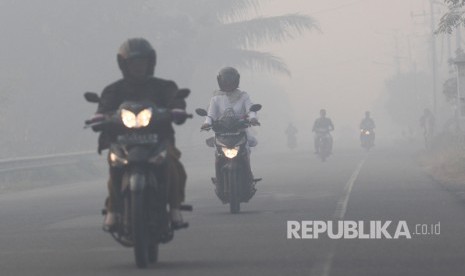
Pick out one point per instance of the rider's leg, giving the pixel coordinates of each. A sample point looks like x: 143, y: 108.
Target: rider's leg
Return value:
x: 316, y: 143
x: 113, y: 201
x: 176, y: 179
x: 330, y: 144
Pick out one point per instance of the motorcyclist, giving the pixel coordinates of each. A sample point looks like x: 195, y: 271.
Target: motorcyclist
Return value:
x: 137, y: 60
x: 291, y: 132
x: 322, y: 126
x: 427, y: 122
x: 229, y: 96
x: 367, y: 123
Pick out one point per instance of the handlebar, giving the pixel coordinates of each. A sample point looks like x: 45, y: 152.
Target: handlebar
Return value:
x: 101, y: 119
x: 245, y: 123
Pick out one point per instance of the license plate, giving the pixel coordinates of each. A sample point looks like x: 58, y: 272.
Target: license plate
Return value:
x: 138, y: 139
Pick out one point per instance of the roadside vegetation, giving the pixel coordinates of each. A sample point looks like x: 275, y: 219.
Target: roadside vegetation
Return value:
x: 445, y: 160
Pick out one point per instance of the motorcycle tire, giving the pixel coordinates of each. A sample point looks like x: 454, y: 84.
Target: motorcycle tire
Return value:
x: 139, y: 230
x: 234, y: 200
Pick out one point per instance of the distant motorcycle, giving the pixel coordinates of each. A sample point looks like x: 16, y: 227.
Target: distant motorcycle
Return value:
x: 325, y: 144
x: 291, y: 133
x: 234, y: 181
x: 367, y: 138
x: 140, y: 152
x: 291, y: 141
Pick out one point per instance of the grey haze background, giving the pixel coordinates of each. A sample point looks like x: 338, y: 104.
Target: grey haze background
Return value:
x: 54, y: 50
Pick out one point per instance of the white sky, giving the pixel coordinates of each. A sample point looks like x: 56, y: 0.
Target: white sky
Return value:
x: 344, y: 68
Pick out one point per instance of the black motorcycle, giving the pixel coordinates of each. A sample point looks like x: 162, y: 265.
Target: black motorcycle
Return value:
x: 234, y: 181
x: 325, y: 142
x: 291, y: 141
x: 367, y: 138
x: 143, y: 221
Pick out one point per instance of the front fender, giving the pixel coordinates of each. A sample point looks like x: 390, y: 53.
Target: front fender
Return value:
x: 137, y: 182
x: 231, y: 165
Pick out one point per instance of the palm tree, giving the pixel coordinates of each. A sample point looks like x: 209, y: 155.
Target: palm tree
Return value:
x: 195, y: 39
x: 212, y: 33
x: 453, y: 18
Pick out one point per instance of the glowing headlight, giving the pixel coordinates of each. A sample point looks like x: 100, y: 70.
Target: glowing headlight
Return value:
x: 129, y: 118
x: 142, y: 119
x: 367, y: 132
x: 116, y: 159
x: 230, y: 153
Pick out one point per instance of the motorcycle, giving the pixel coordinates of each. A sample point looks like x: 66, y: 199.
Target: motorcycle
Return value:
x: 291, y: 141
x: 367, y: 138
x: 140, y: 153
x: 234, y: 181
x: 291, y: 133
x: 325, y: 142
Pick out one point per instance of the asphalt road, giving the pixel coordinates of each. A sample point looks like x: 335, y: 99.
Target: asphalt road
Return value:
x: 56, y: 230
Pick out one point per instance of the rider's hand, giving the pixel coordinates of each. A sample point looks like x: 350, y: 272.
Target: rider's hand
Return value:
x: 205, y: 126
x: 254, y: 122
x: 96, y: 118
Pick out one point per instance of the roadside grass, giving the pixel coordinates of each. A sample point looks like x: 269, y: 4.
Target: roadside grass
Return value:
x: 445, y: 161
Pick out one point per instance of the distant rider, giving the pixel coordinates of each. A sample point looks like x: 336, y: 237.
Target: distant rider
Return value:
x: 368, y: 124
x: 291, y: 132
x: 322, y: 126
x: 427, y: 122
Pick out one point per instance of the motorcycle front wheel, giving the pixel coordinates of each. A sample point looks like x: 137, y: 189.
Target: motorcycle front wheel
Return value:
x: 234, y: 201
x: 139, y: 230
x: 153, y: 253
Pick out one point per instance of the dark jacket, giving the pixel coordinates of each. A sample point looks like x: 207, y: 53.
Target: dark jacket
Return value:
x: 323, y: 124
x: 160, y: 92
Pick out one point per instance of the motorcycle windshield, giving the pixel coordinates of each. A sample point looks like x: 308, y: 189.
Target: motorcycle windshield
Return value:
x: 232, y: 140
x: 229, y: 122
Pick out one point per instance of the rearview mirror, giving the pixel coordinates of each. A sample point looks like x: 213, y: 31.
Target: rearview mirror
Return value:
x: 92, y: 97
x: 201, y: 112
x: 255, y: 107
x: 183, y: 93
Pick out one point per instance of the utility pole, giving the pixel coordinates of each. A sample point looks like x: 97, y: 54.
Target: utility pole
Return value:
x: 433, y: 57
x: 433, y: 52
x: 458, y: 39
x: 397, y: 56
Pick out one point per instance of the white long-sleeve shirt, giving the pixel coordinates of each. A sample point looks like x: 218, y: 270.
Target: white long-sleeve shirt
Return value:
x: 238, y: 100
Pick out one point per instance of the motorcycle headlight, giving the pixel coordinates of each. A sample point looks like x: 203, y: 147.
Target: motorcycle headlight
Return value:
x: 230, y: 153
x: 130, y: 120
x: 367, y: 132
x: 144, y: 117
x: 116, y: 160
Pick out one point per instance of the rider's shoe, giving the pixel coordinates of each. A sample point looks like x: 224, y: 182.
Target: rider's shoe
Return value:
x: 177, y: 221
x: 110, y: 222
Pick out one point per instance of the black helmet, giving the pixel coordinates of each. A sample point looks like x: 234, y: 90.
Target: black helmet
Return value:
x: 228, y: 79
x: 136, y: 48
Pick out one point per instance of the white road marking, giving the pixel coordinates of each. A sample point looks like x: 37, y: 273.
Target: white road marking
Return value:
x: 342, y: 203
x: 339, y: 214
